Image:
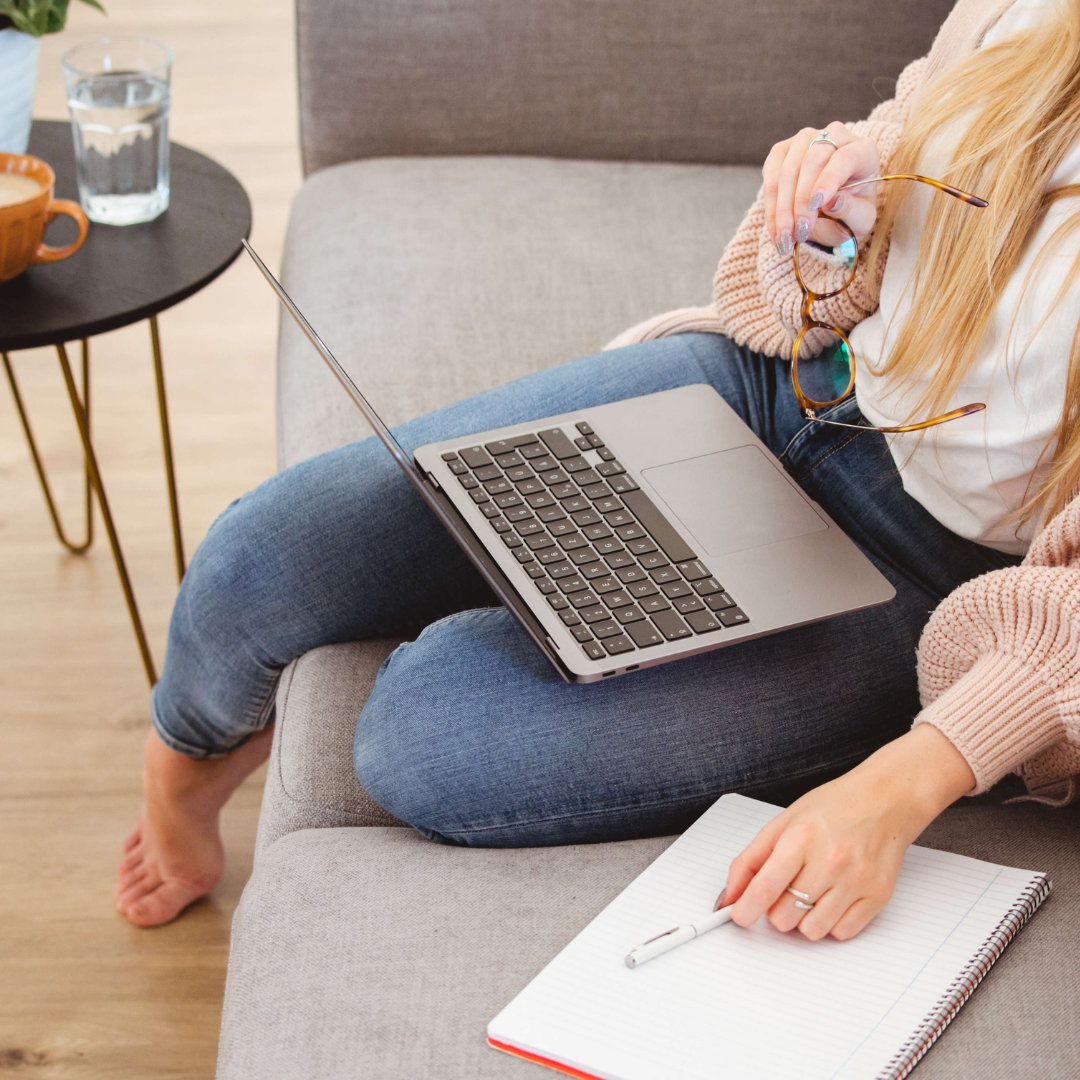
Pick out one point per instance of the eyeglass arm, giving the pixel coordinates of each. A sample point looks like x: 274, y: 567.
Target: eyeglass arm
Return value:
x: 956, y: 192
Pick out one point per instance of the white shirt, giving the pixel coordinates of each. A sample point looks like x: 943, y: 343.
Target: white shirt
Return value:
x: 973, y: 472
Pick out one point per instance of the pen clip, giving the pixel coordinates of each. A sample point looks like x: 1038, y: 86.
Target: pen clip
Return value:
x: 666, y: 933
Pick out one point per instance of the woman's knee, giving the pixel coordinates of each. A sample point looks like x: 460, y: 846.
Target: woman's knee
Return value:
x: 427, y: 743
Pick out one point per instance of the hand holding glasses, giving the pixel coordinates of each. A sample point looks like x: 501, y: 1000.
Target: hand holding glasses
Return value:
x: 804, y: 265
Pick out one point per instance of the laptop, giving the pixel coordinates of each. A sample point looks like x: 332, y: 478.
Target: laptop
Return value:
x: 632, y: 534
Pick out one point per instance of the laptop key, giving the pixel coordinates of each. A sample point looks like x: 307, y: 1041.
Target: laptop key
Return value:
x: 553, y: 554
x: 641, y: 547
x: 622, y: 516
x: 564, y: 491
x: 608, y: 546
x: 616, y: 645
x: 594, y: 650
x: 535, y: 570
x: 627, y: 532
x: 518, y: 472
x: 594, y: 614
x: 733, y: 616
x: 474, y: 457
x: 449, y: 456
x: 582, y: 442
x: 519, y: 513
x: 497, y: 487
x: 619, y: 598
x: 582, y: 632
x: 489, y: 510
x: 719, y: 601
x: 663, y: 574
x: 629, y: 614
x: 557, y: 442
x: 673, y: 589
x: 508, y: 461
x: 622, y: 484
x: 641, y: 589
x: 587, y: 477
x: 479, y: 495
x: 618, y: 558
x: 488, y: 472
x: 607, y: 628
x: 540, y: 498
x: 653, y: 604
x: 580, y: 556
x: 546, y: 587
x: 570, y: 618
x: 527, y: 528
x: 586, y: 517
x: 707, y: 586
x: 626, y: 574
x: 590, y: 570
x: 533, y: 450
x: 560, y: 527
x: 508, y: 498
x: 585, y: 599
x: 606, y: 584
x: 529, y: 487
x: 550, y: 513
x: 703, y: 621
x: 539, y: 541
x: 558, y: 602
x: 671, y: 626
x: 653, y: 561
x: 610, y: 468
x: 512, y: 541
x: 686, y: 604
x: 571, y: 541
x: 574, y: 502
x: 575, y: 465
x: 694, y: 570
x: 468, y: 482
x: 605, y: 453
x: 499, y: 446
x: 523, y: 555
x: 457, y: 466
x: 597, y: 532
x: 584, y: 427
x: 645, y: 634
x: 572, y: 583
x: 500, y: 524
x: 596, y: 491
x: 560, y: 569
x: 544, y: 464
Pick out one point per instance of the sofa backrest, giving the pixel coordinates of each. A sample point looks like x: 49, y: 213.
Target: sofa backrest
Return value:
x: 713, y: 81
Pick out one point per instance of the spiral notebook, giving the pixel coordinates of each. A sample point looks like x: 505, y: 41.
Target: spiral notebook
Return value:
x: 758, y: 1003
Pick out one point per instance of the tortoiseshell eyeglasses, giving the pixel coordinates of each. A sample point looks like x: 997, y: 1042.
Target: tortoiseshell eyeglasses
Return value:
x: 806, y: 272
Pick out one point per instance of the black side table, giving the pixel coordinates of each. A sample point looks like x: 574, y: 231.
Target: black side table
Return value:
x: 120, y: 276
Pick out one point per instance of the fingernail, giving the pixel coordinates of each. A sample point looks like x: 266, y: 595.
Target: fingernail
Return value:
x: 720, y: 900
x: 836, y: 203
x: 785, y: 245
x: 816, y: 200
x: 802, y: 230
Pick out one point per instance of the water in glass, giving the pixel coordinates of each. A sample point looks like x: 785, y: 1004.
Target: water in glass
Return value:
x: 121, y: 130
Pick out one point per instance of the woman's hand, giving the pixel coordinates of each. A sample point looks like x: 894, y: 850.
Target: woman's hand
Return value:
x: 802, y: 177
x: 842, y: 844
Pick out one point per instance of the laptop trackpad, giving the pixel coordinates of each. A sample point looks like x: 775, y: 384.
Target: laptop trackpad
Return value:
x: 733, y: 500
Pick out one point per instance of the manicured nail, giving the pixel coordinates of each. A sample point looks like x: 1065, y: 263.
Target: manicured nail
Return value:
x: 816, y: 200
x: 802, y: 230
x: 785, y: 245
x: 720, y: 900
x: 836, y: 203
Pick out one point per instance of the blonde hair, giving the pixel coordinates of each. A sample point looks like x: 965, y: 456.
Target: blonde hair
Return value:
x: 1021, y: 101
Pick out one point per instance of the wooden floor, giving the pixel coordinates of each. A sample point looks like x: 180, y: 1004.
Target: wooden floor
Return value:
x: 82, y: 994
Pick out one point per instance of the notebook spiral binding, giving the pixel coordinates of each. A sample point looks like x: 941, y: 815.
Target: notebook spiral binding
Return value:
x: 963, y: 986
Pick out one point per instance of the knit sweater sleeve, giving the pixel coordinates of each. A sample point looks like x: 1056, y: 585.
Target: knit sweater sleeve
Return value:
x: 999, y: 665
x: 754, y: 290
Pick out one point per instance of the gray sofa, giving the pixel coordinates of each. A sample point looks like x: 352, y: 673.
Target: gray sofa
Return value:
x: 495, y: 186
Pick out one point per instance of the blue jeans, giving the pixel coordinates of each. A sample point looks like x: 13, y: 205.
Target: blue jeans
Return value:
x: 469, y: 735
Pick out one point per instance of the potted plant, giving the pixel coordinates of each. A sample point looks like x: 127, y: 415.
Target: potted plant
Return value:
x: 22, y: 22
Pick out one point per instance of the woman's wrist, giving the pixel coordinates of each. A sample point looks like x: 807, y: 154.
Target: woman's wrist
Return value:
x: 925, y: 769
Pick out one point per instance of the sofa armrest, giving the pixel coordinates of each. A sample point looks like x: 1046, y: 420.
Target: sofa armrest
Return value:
x: 310, y: 783
x: 679, y: 80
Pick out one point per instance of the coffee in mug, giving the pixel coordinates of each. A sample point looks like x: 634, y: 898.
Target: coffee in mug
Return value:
x: 26, y: 208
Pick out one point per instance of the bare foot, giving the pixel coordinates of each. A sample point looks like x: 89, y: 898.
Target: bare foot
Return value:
x: 174, y: 855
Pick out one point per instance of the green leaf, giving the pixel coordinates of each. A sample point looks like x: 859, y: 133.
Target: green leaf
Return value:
x: 37, y: 17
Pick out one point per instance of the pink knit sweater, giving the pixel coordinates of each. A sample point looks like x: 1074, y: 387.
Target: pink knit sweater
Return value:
x: 999, y: 660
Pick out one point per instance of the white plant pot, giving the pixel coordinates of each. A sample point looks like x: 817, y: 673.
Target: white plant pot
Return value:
x: 18, y: 74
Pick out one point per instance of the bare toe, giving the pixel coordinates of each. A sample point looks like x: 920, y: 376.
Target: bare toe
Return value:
x: 162, y: 904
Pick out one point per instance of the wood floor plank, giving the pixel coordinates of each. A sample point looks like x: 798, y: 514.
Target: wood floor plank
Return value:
x: 84, y: 995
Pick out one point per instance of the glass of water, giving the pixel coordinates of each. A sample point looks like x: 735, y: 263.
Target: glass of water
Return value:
x: 118, y: 93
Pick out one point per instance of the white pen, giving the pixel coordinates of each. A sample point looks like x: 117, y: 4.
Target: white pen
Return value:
x: 677, y: 935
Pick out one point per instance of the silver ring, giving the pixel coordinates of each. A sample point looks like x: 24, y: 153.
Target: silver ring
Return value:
x: 802, y: 900
x: 823, y: 136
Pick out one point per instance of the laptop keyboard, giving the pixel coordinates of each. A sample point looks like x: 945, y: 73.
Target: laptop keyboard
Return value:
x: 595, y: 545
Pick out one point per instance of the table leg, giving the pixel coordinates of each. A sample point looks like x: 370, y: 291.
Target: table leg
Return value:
x: 106, y: 513
x: 166, y: 442
x: 75, y: 547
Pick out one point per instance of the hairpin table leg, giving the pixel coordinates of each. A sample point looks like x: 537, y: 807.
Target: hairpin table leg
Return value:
x: 75, y: 547
x: 106, y: 513
x: 166, y: 442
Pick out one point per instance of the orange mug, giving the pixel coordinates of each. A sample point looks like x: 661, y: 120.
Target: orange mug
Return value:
x: 26, y: 208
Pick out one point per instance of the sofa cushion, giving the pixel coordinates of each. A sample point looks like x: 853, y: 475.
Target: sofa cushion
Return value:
x: 310, y: 782
x: 682, y: 80
x: 370, y: 952
x: 431, y: 279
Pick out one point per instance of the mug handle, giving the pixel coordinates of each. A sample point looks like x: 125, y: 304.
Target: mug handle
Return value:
x: 47, y: 254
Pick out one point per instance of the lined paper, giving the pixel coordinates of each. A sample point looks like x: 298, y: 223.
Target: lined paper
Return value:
x: 757, y: 1003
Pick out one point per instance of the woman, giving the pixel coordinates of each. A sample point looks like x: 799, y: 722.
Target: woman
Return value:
x: 469, y: 736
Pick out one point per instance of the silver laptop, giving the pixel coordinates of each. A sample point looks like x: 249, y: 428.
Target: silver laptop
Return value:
x: 635, y: 533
